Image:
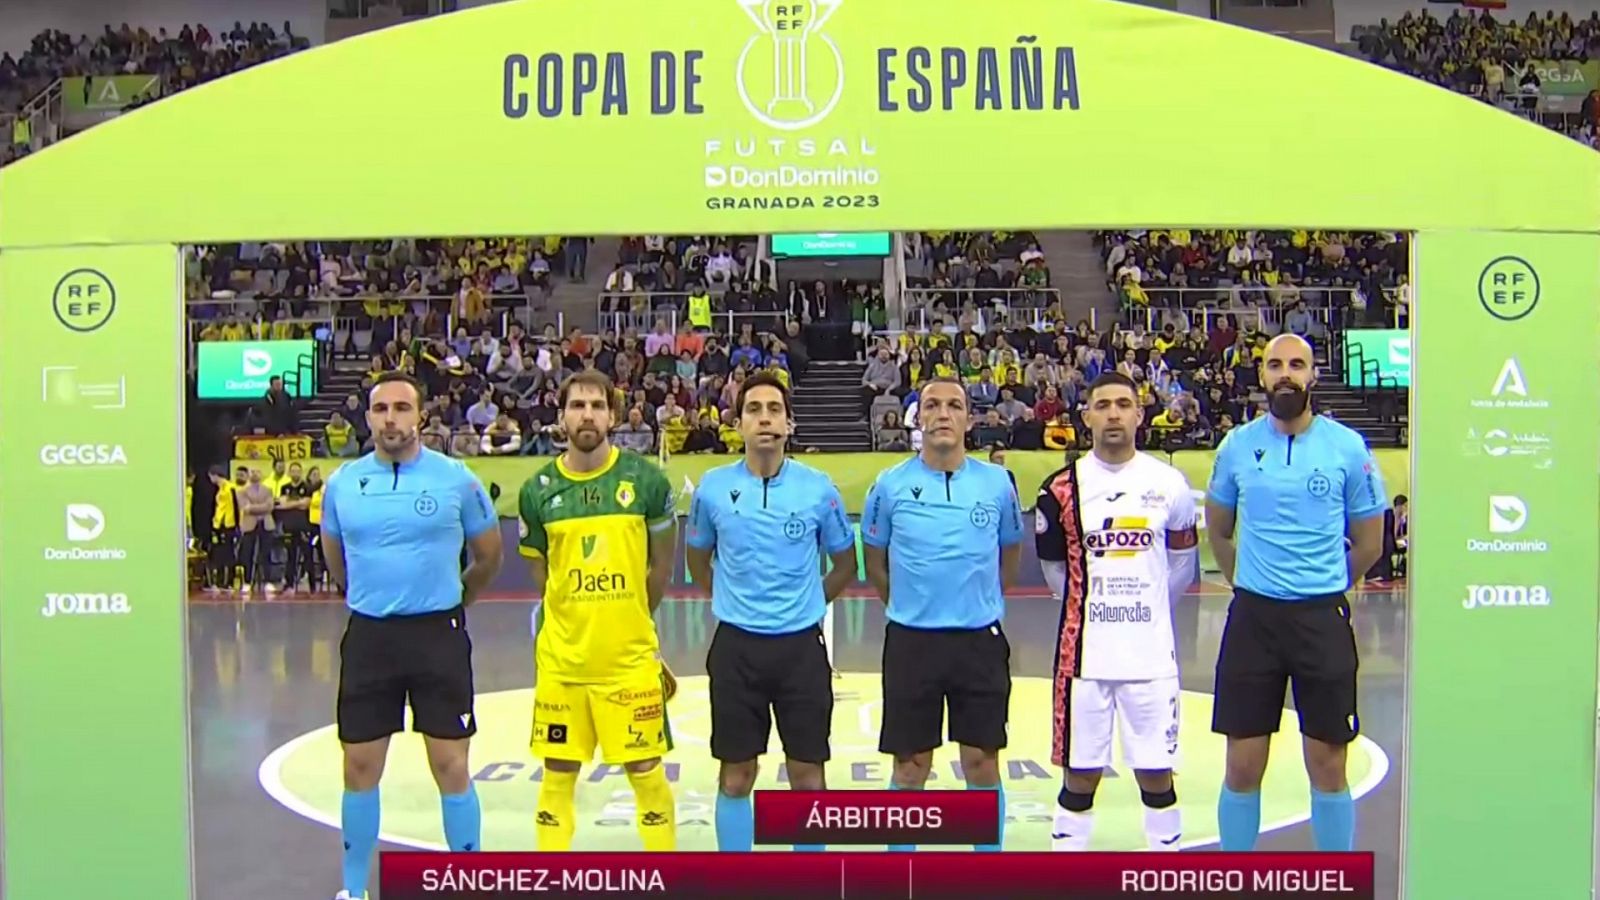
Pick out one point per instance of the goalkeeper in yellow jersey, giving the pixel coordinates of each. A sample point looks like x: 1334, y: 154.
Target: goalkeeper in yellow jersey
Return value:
x: 597, y: 530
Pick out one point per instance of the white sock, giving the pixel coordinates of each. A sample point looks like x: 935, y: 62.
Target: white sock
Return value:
x: 1163, y: 828
x: 1072, y: 830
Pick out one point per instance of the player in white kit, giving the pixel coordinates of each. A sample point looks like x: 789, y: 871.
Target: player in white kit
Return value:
x: 1116, y: 539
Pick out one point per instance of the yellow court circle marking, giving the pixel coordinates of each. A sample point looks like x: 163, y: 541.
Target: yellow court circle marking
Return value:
x: 303, y: 775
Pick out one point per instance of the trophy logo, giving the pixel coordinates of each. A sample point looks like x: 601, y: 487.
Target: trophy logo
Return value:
x: 806, y: 78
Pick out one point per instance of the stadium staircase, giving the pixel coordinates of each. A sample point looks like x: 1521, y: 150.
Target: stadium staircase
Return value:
x: 1076, y: 271
x: 827, y: 409
x: 1379, y: 414
x: 338, y: 382
x: 578, y: 302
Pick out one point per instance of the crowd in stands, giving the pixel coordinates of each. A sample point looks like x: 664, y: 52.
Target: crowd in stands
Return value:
x: 1297, y: 280
x: 1492, y: 58
x: 192, y: 56
x: 711, y: 280
x: 961, y: 271
x: 431, y: 279
x: 1026, y: 386
x: 494, y: 396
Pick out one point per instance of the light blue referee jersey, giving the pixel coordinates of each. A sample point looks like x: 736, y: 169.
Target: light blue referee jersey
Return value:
x: 402, y: 526
x: 944, y: 532
x: 769, y: 534
x: 1295, y: 496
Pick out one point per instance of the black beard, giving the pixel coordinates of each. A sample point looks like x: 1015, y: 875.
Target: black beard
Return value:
x: 1288, y: 402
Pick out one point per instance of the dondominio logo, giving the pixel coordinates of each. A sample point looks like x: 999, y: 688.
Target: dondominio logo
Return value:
x: 256, y: 362
x: 803, y: 80
x: 85, y: 522
x: 1507, y: 514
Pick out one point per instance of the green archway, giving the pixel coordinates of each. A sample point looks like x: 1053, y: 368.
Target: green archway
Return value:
x: 527, y: 118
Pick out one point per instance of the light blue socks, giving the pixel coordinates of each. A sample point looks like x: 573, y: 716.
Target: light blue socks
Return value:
x: 736, y: 824
x: 1333, y: 820
x: 1239, y: 819
x: 358, y: 822
x: 463, y: 820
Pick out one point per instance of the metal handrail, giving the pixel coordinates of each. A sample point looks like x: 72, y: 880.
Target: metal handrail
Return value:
x: 196, y: 326
x: 913, y: 298
x: 346, y: 323
x: 619, y: 322
x: 921, y: 318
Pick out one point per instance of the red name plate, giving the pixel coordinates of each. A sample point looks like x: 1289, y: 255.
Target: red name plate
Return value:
x: 867, y: 876
x: 877, y: 817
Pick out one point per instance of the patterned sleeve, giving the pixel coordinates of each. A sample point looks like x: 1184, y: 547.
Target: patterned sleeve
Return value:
x: 655, y: 490
x: 532, y: 542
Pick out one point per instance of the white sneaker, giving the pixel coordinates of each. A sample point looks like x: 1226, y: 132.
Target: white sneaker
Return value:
x: 345, y: 895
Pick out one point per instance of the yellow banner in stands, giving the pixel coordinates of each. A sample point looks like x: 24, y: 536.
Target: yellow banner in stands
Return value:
x: 258, y: 447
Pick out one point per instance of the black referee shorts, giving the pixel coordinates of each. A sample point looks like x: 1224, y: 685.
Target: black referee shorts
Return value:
x: 756, y: 676
x: 1269, y: 644
x: 385, y: 662
x: 925, y: 669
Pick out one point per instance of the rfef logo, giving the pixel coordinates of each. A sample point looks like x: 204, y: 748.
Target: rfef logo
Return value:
x: 84, y: 300
x: 800, y: 83
x: 1508, y: 288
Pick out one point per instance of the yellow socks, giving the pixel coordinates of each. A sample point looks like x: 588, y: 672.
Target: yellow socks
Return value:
x: 557, y: 815
x: 657, y: 819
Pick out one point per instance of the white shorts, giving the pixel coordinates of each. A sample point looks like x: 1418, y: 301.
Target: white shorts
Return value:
x: 1145, y: 712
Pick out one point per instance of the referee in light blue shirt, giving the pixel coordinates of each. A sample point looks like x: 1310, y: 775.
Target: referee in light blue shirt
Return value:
x: 767, y: 521
x: 393, y: 524
x: 1288, y: 489
x: 943, y: 535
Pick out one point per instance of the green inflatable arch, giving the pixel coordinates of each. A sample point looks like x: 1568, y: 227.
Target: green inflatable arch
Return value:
x: 729, y: 116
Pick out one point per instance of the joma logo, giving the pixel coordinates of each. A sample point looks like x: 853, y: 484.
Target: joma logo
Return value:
x: 1481, y: 595
x: 85, y: 605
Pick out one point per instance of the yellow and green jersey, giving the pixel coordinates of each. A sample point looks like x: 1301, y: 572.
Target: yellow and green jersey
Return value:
x: 593, y: 529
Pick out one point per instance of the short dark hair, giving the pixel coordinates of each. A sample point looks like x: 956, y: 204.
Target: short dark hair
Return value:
x: 946, y: 379
x: 590, y: 378
x: 762, y: 379
x: 397, y: 376
x: 1111, y: 379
